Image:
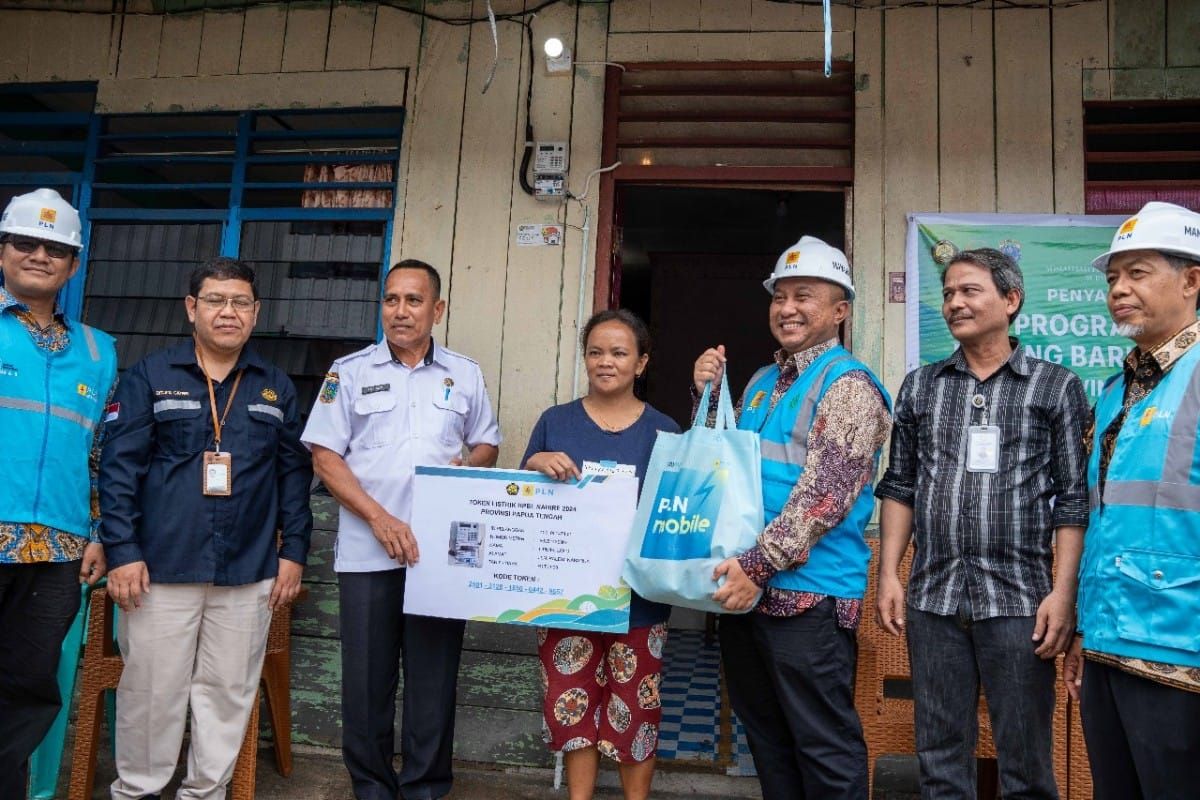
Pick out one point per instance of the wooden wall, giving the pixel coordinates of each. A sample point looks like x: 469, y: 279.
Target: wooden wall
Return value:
x: 957, y: 110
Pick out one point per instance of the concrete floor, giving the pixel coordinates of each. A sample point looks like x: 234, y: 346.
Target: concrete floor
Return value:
x: 318, y: 774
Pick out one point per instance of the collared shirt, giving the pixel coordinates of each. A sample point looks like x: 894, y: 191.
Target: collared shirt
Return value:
x: 28, y: 543
x: 851, y: 423
x: 988, y: 533
x: 151, y: 490
x: 384, y: 418
x: 1142, y: 372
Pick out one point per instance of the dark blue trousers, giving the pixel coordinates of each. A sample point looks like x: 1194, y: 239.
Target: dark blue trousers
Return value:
x: 951, y: 656
x: 1143, y: 737
x: 378, y: 641
x: 38, y: 602
x: 791, y: 683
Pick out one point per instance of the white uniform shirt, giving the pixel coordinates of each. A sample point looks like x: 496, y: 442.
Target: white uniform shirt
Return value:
x: 385, y: 418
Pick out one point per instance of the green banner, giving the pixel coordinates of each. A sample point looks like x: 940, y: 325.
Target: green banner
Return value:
x: 1064, y: 319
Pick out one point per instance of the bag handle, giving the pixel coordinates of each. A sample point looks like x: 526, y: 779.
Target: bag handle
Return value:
x: 725, y: 418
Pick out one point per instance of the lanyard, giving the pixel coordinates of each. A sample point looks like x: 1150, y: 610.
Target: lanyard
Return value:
x: 212, y: 400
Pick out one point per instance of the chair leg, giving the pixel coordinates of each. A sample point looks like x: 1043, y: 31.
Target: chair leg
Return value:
x: 242, y: 784
x: 275, y: 677
x: 87, y: 739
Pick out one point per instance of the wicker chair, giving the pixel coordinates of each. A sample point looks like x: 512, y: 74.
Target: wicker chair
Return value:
x: 101, y: 670
x: 888, y: 721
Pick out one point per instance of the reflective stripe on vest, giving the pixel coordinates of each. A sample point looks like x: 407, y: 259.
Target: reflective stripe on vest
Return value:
x: 795, y: 449
x: 23, y: 404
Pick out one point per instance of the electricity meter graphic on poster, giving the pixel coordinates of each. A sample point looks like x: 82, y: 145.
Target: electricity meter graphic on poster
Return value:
x: 684, y: 514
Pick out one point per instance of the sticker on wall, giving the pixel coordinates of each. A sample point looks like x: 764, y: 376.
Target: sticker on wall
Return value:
x: 538, y: 234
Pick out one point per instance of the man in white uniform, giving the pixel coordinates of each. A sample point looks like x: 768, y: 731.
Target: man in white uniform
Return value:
x: 381, y: 412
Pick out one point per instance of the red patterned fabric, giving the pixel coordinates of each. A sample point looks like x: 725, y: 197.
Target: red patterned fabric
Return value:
x: 602, y: 690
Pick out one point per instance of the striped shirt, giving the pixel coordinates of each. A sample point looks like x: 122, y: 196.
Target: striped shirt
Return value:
x: 982, y: 532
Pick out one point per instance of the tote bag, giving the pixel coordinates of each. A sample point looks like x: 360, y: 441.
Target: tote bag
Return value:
x: 701, y: 503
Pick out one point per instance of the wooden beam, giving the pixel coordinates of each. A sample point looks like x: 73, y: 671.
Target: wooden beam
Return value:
x: 799, y: 117
x: 846, y: 67
x: 738, y: 90
x: 1161, y: 157
x: 735, y: 142
x: 677, y: 174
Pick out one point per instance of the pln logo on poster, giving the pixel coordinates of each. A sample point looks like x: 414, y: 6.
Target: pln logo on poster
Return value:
x: 684, y: 514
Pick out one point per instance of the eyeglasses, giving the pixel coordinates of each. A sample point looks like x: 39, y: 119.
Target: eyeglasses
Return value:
x: 216, y: 302
x: 27, y: 245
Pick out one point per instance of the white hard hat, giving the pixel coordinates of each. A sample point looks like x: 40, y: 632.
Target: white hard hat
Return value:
x: 1165, y: 227
x: 812, y: 258
x: 43, y: 214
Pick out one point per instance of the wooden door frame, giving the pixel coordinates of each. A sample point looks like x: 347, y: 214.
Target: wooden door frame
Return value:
x: 820, y: 179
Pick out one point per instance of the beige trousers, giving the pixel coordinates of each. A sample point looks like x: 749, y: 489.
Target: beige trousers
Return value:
x: 188, y: 643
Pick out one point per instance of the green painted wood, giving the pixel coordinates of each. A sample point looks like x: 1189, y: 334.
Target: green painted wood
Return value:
x: 1138, y: 31
x: 1183, y: 36
x: 320, y: 558
x: 1138, y: 84
x: 499, y: 700
x: 325, y: 512
x: 317, y: 616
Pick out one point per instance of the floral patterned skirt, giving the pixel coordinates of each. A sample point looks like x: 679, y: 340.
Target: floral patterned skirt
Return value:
x: 601, y: 690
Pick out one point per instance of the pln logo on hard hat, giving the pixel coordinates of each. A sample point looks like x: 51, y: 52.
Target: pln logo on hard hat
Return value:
x: 47, y: 217
x: 793, y: 258
x: 1126, y: 229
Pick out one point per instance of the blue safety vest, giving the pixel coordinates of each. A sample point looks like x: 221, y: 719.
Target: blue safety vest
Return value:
x: 837, y: 563
x: 50, y: 404
x: 1139, y: 577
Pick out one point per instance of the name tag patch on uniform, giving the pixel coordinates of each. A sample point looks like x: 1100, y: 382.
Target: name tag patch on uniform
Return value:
x: 112, y: 411
x: 171, y: 393
x: 379, y: 387
x: 329, y: 388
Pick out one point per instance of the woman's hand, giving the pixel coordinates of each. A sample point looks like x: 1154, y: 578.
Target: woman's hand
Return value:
x: 556, y: 465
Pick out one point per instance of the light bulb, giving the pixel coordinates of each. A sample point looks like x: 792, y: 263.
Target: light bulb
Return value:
x: 553, y: 47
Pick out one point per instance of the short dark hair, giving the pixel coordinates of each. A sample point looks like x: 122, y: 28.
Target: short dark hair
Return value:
x: 641, y: 333
x: 1001, y: 266
x: 412, y: 263
x: 222, y: 269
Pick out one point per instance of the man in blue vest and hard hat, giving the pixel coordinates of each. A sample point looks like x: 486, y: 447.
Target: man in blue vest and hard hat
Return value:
x: 55, y: 379
x: 823, y: 418
x: 1139, y: 577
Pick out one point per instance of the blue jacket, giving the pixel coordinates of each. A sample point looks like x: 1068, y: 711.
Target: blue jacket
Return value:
x: 1139, y: 577
x: 837, y: 563
x: 50, y: 405
x: 151, y: 502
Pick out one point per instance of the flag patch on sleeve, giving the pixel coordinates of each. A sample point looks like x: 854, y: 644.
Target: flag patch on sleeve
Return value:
x: 112, y: 411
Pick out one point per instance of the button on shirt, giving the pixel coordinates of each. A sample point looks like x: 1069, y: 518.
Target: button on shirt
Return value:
x: 152, y: 505
x: 988, y: 533
x: 385, y: 419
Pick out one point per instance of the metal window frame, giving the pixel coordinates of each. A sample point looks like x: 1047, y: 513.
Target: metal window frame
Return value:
x: 235, y: 213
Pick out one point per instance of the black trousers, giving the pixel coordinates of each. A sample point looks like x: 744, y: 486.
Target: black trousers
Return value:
x: 37, y: 605
x: 378, y: 641
x: 791, y: 683
x: 1143, y: 737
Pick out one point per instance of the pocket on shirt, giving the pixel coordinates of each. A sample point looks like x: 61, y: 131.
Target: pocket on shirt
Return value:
x: 1158, y: 599
x: 374, y: 410
x: 450, y: 417
x: 266, y: 421
x: 180, y: 426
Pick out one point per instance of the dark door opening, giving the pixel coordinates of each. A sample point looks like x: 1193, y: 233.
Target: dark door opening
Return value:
x: 692, y: 263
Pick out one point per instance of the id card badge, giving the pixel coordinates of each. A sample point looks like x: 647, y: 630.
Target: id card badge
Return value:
x: 218, y: 474
x: 983, y: 448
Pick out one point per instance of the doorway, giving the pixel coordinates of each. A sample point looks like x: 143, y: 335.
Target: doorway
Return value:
x: 691, y: 262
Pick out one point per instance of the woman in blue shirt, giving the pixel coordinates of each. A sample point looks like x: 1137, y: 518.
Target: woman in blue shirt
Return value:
x: 602, y: 690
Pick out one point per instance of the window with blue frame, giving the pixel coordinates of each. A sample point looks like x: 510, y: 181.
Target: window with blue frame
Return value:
x: 306, y: 197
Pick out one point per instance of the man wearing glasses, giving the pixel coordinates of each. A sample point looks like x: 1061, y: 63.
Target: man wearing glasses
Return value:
x: 206, y: 526
x: 55, y: 376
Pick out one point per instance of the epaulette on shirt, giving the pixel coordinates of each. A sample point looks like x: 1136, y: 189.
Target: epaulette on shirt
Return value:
x: 346, y: 359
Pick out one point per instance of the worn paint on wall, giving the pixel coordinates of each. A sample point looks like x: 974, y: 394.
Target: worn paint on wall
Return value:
x: 956, y: 110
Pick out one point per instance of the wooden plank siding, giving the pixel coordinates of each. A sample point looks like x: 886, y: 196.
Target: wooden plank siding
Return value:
x: 954, y: 109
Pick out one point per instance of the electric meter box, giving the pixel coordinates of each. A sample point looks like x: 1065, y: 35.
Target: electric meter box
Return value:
x: 550, y: 158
